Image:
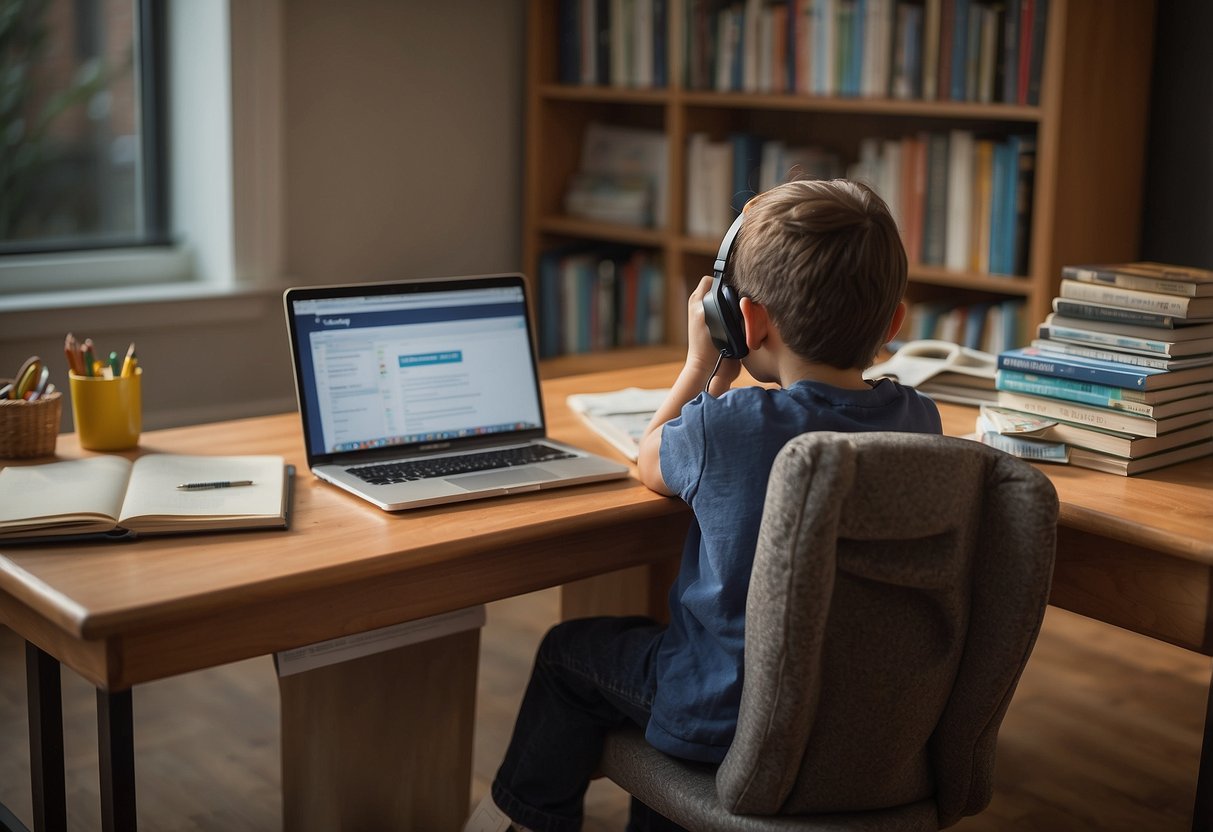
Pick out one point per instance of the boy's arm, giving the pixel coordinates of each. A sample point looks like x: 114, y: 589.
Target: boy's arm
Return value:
x: 701, y: 359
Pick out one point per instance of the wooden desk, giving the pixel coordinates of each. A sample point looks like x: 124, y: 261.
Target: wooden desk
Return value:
x: 1134, y: 552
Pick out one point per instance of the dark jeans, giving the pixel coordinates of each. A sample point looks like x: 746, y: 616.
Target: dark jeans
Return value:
x: 591, y: 675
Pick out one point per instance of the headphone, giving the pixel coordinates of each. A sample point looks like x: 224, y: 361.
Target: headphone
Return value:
x: 722, y: 304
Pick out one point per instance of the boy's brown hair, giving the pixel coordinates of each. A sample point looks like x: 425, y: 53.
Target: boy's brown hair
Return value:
x: 826, y: 260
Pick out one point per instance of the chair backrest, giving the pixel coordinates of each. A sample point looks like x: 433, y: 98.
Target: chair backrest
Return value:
x: 898, y: 587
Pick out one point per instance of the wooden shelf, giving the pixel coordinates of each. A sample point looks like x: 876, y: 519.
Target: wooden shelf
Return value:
x: 1089, y: 133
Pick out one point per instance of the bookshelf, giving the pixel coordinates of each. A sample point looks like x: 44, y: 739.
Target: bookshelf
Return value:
x: 1088, y: 131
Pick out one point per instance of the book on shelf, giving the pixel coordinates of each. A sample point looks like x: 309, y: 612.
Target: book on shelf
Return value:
x: 1157, y: 362
x: 959, y: 50
x: 990, y: 327
x: 610, y: 198
x: 1196, y: 339
x: 618, y: 43
x: 1102, y: 418
x: 934, y: 219
x: 1155, y: 404
x: 615, y: 156
x: 959, y: 201
x: 708, y: 186
x: 596, y: 298
x: 1146, y: 277
x: 1159, y: 303
x: 111, y: 497
x: 1100, y: 371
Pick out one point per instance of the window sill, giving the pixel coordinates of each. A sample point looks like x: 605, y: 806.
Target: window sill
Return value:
x: 136, y: 308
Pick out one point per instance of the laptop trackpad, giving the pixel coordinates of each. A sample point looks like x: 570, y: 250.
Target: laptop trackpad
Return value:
x: 501, y: 479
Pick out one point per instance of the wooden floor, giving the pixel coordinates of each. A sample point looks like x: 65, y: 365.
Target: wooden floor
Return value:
x: 1104, y: 734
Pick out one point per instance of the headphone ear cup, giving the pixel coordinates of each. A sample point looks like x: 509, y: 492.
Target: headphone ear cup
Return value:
x: 722, y: 311
x: 734, y: 324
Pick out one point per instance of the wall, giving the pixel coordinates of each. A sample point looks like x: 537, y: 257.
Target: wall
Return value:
x: 402, y: 131
x: 403, y: 138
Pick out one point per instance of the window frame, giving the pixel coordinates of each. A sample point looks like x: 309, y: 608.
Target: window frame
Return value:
x: 223, y: 216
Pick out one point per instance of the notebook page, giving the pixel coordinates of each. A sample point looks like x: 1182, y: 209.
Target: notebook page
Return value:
x: 153, y: 488
x: 74, y: 491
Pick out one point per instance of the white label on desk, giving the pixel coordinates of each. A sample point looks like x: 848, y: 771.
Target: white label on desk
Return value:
x: 325, y: 653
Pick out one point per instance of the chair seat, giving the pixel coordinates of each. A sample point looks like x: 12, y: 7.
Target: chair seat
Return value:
x: 685, y: 792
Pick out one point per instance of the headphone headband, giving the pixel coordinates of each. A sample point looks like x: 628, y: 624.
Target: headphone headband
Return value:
x: 726, y: 247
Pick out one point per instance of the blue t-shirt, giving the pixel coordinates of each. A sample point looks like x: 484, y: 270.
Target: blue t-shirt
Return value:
x: 717, y: 455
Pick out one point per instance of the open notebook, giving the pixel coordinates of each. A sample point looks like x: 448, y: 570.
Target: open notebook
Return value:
x: 112, y: 497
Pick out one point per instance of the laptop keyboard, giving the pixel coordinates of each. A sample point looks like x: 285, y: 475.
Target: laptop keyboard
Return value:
x: 421, y: 469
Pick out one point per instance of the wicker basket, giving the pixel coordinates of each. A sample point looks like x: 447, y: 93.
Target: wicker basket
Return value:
x: 29, y: 429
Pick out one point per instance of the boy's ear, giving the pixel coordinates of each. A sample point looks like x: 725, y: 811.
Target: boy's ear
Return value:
x: 899, y: 317
x: 757, y: 323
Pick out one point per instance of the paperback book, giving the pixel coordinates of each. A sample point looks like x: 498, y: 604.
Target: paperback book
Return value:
x: 1147, y: 277
x: 1156, y: 403
x: 1191, y: 340
x: 1157, y: 362
x: 1158, y: 302
x: 1099, y: 371
x: 1111, y: 464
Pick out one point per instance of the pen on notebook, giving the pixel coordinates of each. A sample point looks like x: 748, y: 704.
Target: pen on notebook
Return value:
x: 199, y: 486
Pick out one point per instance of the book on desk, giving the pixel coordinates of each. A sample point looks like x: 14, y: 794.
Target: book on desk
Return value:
x: 113, y: 497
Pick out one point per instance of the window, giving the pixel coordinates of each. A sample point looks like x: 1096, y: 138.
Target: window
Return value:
x: 81, y: 124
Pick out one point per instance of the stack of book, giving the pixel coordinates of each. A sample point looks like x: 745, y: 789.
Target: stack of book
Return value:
x: 1122, y: 371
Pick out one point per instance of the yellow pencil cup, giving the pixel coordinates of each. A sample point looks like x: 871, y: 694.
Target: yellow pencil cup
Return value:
x: 108, y: 412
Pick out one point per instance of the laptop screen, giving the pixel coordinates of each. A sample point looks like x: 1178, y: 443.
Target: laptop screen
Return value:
x: 409, y: 364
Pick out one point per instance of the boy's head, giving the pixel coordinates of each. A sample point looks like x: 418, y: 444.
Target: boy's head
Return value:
x: 826, y: 260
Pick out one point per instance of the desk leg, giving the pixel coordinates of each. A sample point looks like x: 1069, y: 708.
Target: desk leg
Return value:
x: 382, y: 742
x: 116, y: 758
x: 44, y: 705
x: 1202, y: 810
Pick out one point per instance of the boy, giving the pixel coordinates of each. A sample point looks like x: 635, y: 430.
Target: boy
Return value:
x: 820, y: 270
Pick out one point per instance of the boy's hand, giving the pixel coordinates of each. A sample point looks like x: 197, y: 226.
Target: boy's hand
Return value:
x: 702, y: 354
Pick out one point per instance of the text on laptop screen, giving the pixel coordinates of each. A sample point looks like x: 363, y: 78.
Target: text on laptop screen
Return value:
x: 401, y: 369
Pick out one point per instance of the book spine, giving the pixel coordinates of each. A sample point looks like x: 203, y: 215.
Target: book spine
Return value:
x: 935, y: 215
x: 960, y: 49
x: 1079, y: 414
x: 1111, y: 314
x: 1126, y: 298
x: 1010, y: 53
x: 1104, y: 355
x: 1040, y: 16
x: 1136, y: 282
x: 931, y: 49
x: 1107, y: 339
x: 1113, y: 377
x: 1098, y: 395
x: 1026, y: 174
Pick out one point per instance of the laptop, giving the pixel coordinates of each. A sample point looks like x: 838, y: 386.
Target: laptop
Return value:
x: 421, y: 392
